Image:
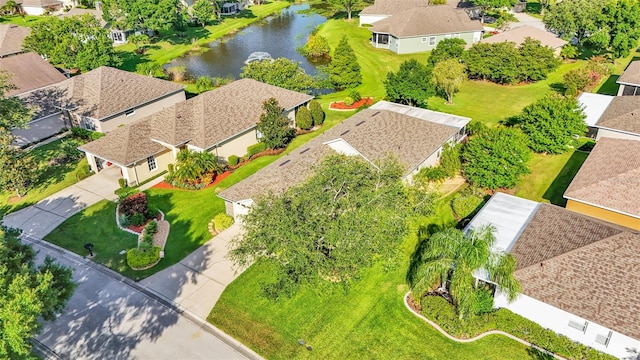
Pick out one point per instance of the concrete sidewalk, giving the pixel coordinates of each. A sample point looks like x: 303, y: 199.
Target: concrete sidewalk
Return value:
x: 196, y: 282
x: 40, y: 219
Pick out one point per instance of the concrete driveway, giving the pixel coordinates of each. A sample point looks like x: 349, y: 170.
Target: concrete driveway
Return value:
x: 526, y: 19
x: 196, y: 282
x: 40, y: 219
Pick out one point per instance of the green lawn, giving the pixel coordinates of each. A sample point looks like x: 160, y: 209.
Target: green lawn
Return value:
x: 550, y: 176
x: 170, y: 46
x: 368, y: 322
x: 50, y: 179
x: 27, y: 20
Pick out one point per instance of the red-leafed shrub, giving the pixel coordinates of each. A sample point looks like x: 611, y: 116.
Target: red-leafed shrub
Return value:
x: 134, y: 204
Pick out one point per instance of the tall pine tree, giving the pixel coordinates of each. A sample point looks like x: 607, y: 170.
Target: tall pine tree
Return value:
x: 344, y: 70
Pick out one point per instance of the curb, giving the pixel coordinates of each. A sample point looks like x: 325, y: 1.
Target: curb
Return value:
x: 179, y: 309
x: 478, y: 337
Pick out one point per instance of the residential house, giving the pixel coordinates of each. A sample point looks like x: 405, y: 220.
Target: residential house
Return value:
x: 412, y: 135
x: 382, y: 9
x: 579, y: 275
x: 30, y: 73
x: 11, y: 38
x: 629, y: 81
x: 39, y: 7
x: 612, y: 116
x: 519, y: 34
x: 607, y: 186
x: 420, y: 28
x: 97, y: 13
x: 222, y: 121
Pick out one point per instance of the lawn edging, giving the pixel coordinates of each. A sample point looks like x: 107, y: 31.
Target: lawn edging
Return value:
x: 128, y: 230
x: 478, y: 337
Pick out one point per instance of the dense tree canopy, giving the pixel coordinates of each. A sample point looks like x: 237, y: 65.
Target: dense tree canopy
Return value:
x: 574, y: 17
x: 203, y: 11
x: 447, y: 49
x: 77, y: 42
x: 486, y: 5
x: 344, y: 70
x: 274, y: 128
x: 450, y: 258
x: 344, y: 218
x: 495, y: 158
x: 346, y: 5
x: 448, y: 75
x: 280, y: 72
x: 410, y: 85
x: 27, y: 292
x: 551, y: 122
x: 142, y: 14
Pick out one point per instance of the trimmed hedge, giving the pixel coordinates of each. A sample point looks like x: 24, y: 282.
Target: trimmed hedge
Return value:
x: 233, y: 160
x: 443, y: 313
x: 256, y: 148
x: 303, y: 119
x: 222, y: 221
x: 317, y: 114
x: 141, y: 258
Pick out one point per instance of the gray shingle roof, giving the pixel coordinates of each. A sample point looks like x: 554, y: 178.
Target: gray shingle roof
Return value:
x: 518, y: 35
x: 583, y: 266
x: 79, y: 12
x: 390, y: 7
x: 631, y: 75
x: 202, y: 121
x: 374, y: 133
x: 610, y: 177
x: 29, y: 72
x: 11, y: 38
x: 430, y: 20
x: 106, y: 91
x: 623, y: 113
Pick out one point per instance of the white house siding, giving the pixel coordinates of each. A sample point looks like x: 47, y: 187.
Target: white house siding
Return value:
x: 616, y: 135
x: 140, y: 170
x: 33, y: 10
x: 415, y: 44
x: 236, y: 146
x: 370, y: 19
x: 557, y: 320
x: 239, y: 209
x: 140, y: 112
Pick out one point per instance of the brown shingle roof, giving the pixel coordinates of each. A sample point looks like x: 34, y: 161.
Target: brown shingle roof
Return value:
x: 589, y: 268
x: 610, y: 177
x: 106, y: 91
x: 431, y: 20
x: 372, y: 132
x: 202, y: 121
x: 518, y: 35
x: 29, y: 72
x: 79, y: 12
x: 623, y: 113
x: 11, y: 38
x: 631, y: 75
x: 390, y: 7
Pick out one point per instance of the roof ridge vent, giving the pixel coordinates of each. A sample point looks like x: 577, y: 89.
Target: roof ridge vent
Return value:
x: 345, y: 133
x: 361, y: 122
x: 285, y: 162
x: 376, y: 113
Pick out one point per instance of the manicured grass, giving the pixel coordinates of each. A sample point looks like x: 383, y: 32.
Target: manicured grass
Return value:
x: 368, y: 322
x: 51, y: 179
x: 27, y: 20
x: 550, y: 176
x: 609, y: 86
x: 170, y: 46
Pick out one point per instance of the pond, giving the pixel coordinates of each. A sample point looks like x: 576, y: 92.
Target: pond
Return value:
x: 279, y: 35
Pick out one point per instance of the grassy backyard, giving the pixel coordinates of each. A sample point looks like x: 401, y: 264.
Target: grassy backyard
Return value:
x: 27, y: 20
x: 50, y: 179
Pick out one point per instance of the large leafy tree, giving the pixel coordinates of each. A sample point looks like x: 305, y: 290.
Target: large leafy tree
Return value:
x: 154, y: 15
x: 450, y: 258
x: 536, y: 60
x: 280, y: 72
x: 27, y: 293
x: 486, y: 5
x: 574, y: 17
x: 347, y: 5
x: 448, y: 75
x: 273, y: 126
x: 347, y: 216
x: 203, y: 10
x: 410, y: 85
x: 344, y: 70
x: 551, y: 122
x: 16, y: 167
x: 447, y: 49
x: 77, y: 42
x: 496, y: 158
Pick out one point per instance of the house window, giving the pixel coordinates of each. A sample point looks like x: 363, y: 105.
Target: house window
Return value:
x: 582, y: 326
x: 151, y: 161
x: 87, y: 123
x: 432, y: 41
x: 604, y: 340
x: 456, y: 36
x: 447, y: 36
x: 129, y: 113
x: 425, y: 39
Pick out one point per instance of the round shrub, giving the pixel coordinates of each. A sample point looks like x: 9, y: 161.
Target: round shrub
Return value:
x: 141, y: 258
x: 355, y: 95
x: 348, y: 101
x: 233, y: 160
x: 122, y: 182
x: 465, y: 204
x: 317, y: 114
x: 303, y: 118
x: 222, y: 221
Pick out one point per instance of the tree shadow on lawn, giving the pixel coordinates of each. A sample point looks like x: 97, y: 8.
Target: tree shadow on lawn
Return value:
x: 560, y: 184
x: 186, y: 37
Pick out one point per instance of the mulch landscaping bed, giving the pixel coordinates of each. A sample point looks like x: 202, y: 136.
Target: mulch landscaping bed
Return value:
x: 219, y: 177
x: 340, y: 105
